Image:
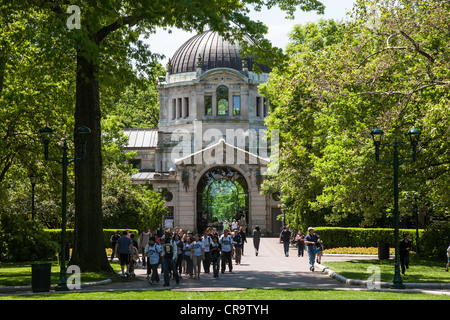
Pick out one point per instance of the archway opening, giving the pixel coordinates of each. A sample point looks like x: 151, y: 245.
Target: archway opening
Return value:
x: 222, y: 195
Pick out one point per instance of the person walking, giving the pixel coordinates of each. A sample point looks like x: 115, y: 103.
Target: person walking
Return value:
x: 207, y: 241
x: 179, y: 262
x: 187, y: 254
x: 226, y: 243
x: 142, y: 243
x: 285, y: 237
x: 300, y: 237
x: 243, y: 237
x: 113, y: 241
x: 234, y: 225
x: 153, y: 251
x: 169, y: 254
x: 198, y: 255
x: 124, y: 246
x: 310, y: 241
x: 215, y: 256
x: 237, y: 243
x: 319, y: 250
x: 256, y: 239
x: 405, y: 247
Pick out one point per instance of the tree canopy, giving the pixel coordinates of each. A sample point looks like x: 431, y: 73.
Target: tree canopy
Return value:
x: 387, y: 66
x: 57, y: 69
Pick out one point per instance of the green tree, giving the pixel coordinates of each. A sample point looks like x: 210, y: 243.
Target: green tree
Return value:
x: 99, y: 56
x: 389, y: 70
x: 108, y: 38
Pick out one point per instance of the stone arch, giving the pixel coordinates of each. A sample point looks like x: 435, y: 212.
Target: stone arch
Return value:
x: 238, y: 204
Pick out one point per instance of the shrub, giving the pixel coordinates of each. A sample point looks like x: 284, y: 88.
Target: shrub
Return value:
x: 55, y: 235
x: 436, y: 240
x: 334, y: 237
x: 24, y: 240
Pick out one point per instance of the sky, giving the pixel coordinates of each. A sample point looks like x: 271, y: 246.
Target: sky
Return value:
x: 164, y: 43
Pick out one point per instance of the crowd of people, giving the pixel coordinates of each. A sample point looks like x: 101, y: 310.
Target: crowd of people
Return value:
x: 178, y: 253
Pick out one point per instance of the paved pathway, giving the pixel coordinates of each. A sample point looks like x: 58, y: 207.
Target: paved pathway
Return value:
x: 270, y: 269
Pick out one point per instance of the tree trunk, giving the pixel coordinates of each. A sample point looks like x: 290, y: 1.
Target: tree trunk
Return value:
x: 89, y: 247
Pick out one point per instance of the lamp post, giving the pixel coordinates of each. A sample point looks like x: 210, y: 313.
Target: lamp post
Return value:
x: 414, y: 134
x: 33, y: 180
x: 64, y: 161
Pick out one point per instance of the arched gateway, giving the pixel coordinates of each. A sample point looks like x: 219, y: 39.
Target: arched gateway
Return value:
x: 222, y: 195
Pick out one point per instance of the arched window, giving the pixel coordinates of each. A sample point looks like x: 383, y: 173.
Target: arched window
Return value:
x: 222, y: 101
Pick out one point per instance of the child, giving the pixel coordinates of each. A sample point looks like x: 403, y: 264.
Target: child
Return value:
x: 134, y: 257
x: 215, y: 255
x: 319, y: 246
x: 153, y: 250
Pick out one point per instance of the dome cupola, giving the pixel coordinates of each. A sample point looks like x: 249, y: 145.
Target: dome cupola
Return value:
x: 210, y: 50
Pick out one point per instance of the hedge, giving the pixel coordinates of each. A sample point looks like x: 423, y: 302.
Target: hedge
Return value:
x: 55, y: 235
x: 335, y: 237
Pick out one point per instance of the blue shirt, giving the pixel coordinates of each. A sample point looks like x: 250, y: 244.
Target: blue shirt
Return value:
x: 124, y: 245
x: 187, y: 247
x: 198, y: 246
x: 207, y: 242
x: 153, y: 253
x: 226, y: 243
x: 312, y: 238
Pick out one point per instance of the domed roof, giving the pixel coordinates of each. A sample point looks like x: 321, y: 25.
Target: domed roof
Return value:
x: 215, y: 52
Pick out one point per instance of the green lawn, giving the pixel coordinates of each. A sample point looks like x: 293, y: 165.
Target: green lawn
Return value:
x: 19, y: 274
x: 420, y: 270
x: 250, y: 294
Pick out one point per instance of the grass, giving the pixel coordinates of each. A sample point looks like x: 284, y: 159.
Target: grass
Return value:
x: 420, y: 270
x: 249, y: 294
x: 19, y: 274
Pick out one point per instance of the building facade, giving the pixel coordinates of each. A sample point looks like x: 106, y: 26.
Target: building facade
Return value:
x: 210, y: 152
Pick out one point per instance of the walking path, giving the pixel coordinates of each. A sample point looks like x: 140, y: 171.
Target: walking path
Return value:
x: 270, y: 269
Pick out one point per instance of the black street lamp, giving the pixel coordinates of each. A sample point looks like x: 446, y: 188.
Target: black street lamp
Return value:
x: 396, y: 162
x: 64, y: 161
x: 33, y: 180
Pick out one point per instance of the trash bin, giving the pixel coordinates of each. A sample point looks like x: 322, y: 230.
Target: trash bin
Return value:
x: 40, y: 277
x: 383, y: 250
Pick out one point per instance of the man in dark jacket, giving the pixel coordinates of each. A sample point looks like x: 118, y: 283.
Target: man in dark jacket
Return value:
x: 286, y: 237
x: 405, y: 246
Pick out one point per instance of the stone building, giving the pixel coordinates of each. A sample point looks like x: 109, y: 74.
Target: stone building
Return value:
x: 209, y: 154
